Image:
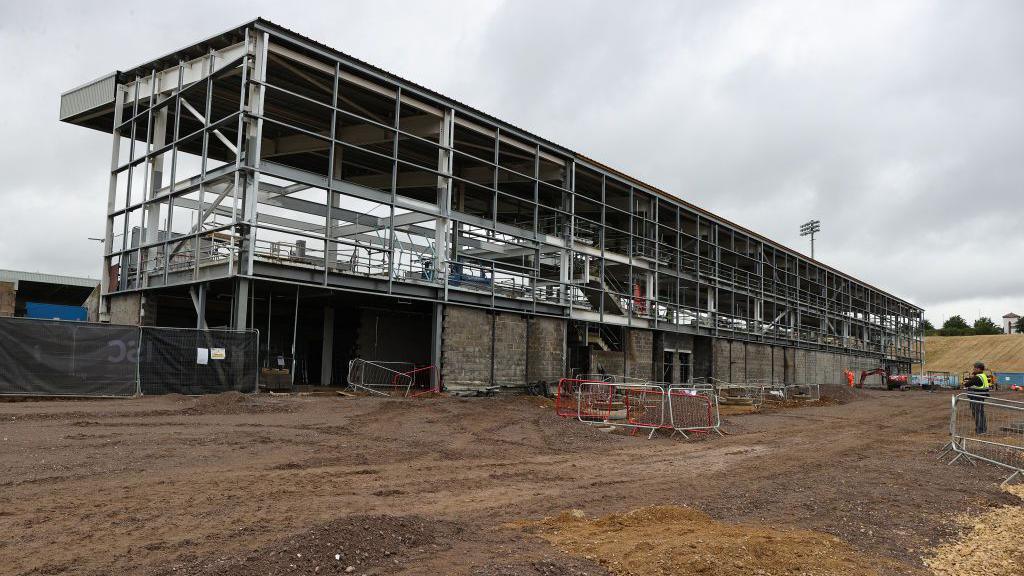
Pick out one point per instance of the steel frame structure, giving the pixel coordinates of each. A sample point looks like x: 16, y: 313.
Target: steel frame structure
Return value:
x: 262, y: 154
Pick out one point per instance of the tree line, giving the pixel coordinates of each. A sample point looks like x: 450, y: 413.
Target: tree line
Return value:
x: 957, y: 326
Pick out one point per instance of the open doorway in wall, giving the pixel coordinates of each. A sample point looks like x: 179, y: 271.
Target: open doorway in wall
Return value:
x: 312, y: 333
x: 685, y: 369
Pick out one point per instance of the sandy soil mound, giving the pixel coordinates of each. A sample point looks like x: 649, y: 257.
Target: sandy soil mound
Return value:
x: 989, y: 544
x: 665, y: 540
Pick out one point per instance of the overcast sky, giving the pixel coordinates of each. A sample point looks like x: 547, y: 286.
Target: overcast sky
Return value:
x: 899, y: 125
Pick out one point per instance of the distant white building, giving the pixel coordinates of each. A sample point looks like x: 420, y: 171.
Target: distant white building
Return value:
x: 1010, y: 322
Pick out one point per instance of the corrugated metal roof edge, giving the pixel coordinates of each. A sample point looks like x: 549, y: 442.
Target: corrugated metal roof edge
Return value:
x: 44, y: 278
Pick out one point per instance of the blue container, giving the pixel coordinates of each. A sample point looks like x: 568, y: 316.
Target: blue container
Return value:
x: 55, y: 311
x: 1006, y: 379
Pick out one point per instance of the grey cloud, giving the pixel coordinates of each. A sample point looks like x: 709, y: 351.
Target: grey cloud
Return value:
x: 898, y: 125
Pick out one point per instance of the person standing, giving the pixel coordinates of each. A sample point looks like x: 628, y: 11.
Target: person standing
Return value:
x: 978, y: 387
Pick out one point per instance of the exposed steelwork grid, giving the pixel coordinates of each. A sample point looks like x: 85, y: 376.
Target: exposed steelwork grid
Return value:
x: 226, y: 153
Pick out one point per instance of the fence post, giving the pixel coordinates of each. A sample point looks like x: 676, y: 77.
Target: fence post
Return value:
x: 256, y: 360
x: 138, y: 366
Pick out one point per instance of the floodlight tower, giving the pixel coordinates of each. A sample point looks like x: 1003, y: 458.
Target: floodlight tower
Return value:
x: 810, y: 229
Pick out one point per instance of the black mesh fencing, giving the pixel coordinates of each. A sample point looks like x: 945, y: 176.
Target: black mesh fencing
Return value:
x: 184, y: 361
x: 58, y: 358
x: 61, y: 358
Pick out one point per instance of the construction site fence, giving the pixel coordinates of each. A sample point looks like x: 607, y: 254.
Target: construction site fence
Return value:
x: 387, y: 378
x: 62, y: 358
x: 988, y: 429
x: 639, y: 406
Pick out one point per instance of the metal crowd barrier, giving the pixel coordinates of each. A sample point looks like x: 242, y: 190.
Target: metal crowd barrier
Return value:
x: 683, y: 409
x: 383, y: 378
x: 987, y: 429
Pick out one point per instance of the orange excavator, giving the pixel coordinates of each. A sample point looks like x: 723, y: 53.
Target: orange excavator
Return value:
x: 892, y: 381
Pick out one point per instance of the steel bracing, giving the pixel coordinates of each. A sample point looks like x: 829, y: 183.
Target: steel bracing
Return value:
x: 263, y: 154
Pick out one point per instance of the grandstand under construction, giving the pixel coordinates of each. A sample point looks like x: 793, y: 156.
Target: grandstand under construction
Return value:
x: 260, y: 179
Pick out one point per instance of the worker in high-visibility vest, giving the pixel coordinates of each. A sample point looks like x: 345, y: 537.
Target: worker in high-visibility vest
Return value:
x: 978, y: 387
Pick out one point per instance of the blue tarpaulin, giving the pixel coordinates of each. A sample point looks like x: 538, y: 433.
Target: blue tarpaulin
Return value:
x: 55, y: 312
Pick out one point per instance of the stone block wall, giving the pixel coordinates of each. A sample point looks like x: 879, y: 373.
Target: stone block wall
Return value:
x: 525, y: 350
x: 545, y: 349
x: 778, y: 358
x: 607, y: 361
x: 509, y: 349
x: 759, y: 362
x: 466, y: 347
x: 737, y: 361
x: 640, y: 354
x: 721, y: 355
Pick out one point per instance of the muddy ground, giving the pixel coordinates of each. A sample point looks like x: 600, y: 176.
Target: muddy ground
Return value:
x: 319, y: 485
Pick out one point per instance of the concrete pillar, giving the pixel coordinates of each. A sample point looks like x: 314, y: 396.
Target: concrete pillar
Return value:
x: 436, y: 335
x: 327, y: 355
x: 241, y: 303
x: 199, y: 301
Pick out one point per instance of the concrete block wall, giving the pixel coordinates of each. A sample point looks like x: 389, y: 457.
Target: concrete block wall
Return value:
x: 759, y: 362
x: 640, y: 353
x: 721, y: 359
x: 607, y: 361
x: 737, y: 361
x: 525, y: 350
x: 546, y: 349
x: 509, y: 349
x: 778, y: 359
x: 466, y: 347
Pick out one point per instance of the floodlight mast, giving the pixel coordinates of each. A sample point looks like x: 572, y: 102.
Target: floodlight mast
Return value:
x: 810, y: 229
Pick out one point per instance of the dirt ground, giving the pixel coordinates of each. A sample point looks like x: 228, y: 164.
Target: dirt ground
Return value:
x: 231, y: 485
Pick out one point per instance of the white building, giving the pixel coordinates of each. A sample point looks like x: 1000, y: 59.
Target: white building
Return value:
x: 1010, y: 322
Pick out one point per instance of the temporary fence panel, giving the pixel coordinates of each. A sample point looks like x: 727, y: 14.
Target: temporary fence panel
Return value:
x: 648, y: 406
x: 693, y: 410
x: 192, y: 361
x: 59, y: 358
x: 599, y: 402
x: 989, y: 429
x: 567, y: 396
x: 381, y: 377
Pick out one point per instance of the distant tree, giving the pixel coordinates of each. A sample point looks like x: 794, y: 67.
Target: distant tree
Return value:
x: 928, y: 327
x: 1020, y: 326
x: 985, y: 325
x: 956, y: 326
x: 955, y: 322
